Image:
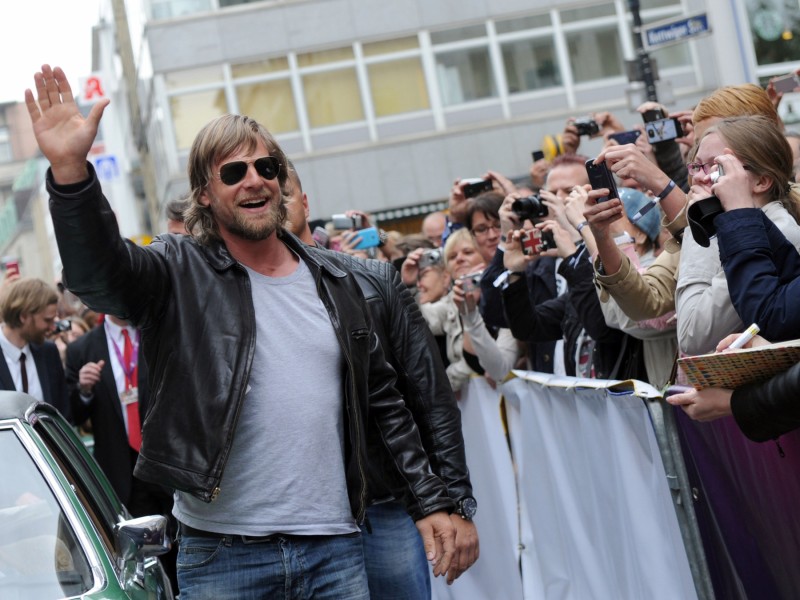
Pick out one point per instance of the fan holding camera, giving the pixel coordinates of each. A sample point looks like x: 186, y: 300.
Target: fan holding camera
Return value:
x: 464, y: 190
x: 591, y: 126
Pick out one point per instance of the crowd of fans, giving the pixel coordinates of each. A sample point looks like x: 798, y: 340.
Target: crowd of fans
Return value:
x: 670, y: 241
x: 563, y: 275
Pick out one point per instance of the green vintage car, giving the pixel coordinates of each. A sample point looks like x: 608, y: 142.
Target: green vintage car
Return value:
x: 63, y: 531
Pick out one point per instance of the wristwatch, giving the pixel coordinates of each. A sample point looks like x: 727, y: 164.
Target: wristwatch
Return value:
x: 466, y: 508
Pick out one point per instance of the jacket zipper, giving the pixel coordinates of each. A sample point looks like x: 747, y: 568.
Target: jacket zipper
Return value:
x: 362, y: 496
x: 251, y: 349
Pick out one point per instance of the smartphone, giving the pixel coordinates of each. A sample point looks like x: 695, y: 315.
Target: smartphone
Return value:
x: 11, y: 266
x: 601, y: 177
x: 626, y: 137
x: 654, y: 114
x: 369, y: 238
x: 786, y: 83
x: 663, y: 130
x: 476, y: 186
x: 537, y: 155
x: 536, y: 241
x: 342, y: 221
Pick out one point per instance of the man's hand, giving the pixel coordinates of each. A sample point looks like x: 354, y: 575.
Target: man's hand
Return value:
x: 409, y: 271
x: 89, y: 375
x: 438, y: 537
x: 459, y: 203
x: 467, y: 547
x: 63, y: 135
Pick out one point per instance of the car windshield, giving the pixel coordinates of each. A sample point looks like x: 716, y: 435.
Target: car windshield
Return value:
x: 40, y: 556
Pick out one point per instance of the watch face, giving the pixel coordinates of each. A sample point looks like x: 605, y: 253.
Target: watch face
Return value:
x: 467, y: 508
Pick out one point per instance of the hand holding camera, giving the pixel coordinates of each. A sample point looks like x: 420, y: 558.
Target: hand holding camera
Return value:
x: 349, y: 220
x: 476, y: 186
x: 430, y: 257
x: 731, y: 183
x: 467, y: 291
x: 509, y: 219
x: 514, y: 258
x: 536, y: 241
x: 600, y: 215
x: 410, y: 270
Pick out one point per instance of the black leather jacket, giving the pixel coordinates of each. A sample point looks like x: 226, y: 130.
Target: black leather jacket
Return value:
x: 767, y: 410
x: 194, y: 307
x: 422, y: 380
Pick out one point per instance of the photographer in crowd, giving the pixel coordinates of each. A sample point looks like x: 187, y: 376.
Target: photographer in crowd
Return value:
x: 471, y: 348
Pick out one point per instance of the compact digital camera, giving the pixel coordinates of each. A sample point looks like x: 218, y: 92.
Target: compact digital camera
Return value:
x: 430, y: 258
x: 476, y: 186
x: 62, y: 326
x: 587, y: 126
x: 471, y: 282
x: 344, y: 222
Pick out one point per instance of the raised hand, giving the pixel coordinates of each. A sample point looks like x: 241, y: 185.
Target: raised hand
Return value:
x: 63, y: 134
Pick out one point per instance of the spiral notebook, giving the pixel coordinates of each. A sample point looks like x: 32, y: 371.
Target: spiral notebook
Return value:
x: 738, y: 367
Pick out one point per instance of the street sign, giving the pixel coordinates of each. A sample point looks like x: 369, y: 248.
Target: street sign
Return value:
x: 106, y: 167
x: 672, y: 31
x: 92, y: 89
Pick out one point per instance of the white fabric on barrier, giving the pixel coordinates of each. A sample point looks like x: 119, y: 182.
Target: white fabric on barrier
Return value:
x: 593, y: 488
x: 596, y: 519
x: 496, y: 574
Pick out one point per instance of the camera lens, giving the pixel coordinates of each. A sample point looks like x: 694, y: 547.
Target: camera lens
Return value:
x: 530, y: 207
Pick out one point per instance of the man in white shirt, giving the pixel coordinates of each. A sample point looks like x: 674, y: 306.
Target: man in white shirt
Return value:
x: 31, y: 363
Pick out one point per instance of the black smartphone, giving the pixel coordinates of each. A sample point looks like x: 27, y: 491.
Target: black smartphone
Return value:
x: 600, y: 176
x: 625, y: 137
x: 477, y: 186
x: 663, y: 130
x: 537, y: 155
x: 654, y: 114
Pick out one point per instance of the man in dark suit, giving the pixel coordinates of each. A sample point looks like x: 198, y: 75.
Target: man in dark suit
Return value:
x: 107, y: 384
x: 31, y: 364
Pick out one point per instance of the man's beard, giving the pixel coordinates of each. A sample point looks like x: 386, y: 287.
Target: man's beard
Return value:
x: 255, y: 230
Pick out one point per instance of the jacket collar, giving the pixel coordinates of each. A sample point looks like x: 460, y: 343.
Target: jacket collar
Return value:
x: 220, y: 259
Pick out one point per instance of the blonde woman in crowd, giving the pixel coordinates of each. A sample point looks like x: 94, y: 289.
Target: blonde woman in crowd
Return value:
x: 472, y: 349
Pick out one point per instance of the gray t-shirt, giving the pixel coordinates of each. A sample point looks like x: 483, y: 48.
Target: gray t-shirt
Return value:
x: 285, y: 472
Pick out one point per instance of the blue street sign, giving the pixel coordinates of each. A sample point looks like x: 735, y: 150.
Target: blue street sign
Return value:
x: 106, y: 167
x: 673, y: 31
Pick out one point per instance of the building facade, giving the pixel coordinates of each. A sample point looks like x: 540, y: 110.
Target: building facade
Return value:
x: 382, y: 105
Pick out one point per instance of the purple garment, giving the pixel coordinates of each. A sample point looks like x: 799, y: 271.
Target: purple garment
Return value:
x: 747, y: 507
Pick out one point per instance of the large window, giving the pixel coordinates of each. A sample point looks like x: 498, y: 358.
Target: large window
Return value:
x: 270, y: 101
x: 396, y: 76
x: 330, y: 86
x: 465, y: 75
x: 595, y: 54
x: 422, y: 77
x: 775, y: 25
x: 6, y: 154
x: 531, y: 65
x: 194, y: 107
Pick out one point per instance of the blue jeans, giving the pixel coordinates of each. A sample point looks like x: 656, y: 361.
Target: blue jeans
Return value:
x: 284, y: 567
x: 396, y: 565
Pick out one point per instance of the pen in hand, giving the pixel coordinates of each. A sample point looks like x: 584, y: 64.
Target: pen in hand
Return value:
x: 746, y: 336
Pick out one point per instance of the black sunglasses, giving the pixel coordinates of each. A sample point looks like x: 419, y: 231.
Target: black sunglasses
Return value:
x: 233, y: 172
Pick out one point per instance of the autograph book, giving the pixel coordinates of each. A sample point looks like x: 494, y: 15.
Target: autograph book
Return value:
x: 738, y: 367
